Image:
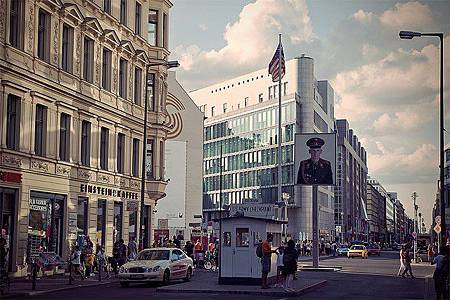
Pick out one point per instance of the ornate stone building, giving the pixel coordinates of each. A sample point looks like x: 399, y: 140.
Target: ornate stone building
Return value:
x: 72, y: 88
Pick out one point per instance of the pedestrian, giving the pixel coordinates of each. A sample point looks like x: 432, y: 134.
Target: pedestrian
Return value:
x: 266, y: 260
x: 189, y: 249
x: 75, y: 259
x: 280, y: 276
x: 132, y: 249
x: 402, y: 261
x: 197, y: 252
x: 289, y: 265
x: 177, y: 242
x: 334, y: 248
x: 116, y: 257
x: 123, y: 257
x: 102, y: 261
x: 441, y: 273
x: 430, y: 253
x: 407, y: 264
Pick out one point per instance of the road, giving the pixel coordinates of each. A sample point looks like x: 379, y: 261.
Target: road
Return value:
x: 372, y: 278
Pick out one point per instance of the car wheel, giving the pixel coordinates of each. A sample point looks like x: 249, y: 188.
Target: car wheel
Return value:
x: 124, y: 284
x: 188, y: 275
x: 166, y: 277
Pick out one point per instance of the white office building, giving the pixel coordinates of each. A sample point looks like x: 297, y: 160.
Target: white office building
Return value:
x: 242, y: 120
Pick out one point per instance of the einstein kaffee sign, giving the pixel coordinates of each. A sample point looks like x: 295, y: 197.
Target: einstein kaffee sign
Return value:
x: 256, y: 210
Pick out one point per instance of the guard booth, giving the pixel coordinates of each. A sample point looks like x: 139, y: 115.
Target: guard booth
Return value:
x: 240, y: 237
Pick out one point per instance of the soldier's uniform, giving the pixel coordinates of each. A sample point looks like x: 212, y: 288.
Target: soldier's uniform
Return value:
x: 311, y: 172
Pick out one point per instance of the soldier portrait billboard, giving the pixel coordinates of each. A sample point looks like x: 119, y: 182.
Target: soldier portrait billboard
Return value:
x: 315, y: 158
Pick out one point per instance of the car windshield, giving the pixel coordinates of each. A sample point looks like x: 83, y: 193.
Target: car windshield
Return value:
x: 357, y: 247
x: 153, y: 255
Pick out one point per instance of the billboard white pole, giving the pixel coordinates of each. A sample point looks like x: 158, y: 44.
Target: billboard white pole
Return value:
x: 315, y: 223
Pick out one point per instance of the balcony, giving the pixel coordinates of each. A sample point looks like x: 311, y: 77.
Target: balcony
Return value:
x: 156, y: 188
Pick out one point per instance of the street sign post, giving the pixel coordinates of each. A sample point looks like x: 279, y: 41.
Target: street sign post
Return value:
x: 414, y: 234
x: 437, y: 228
x: 437, y: 219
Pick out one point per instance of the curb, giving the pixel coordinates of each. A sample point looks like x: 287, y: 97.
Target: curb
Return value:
x: 256, y: 292
x: 71, y: 287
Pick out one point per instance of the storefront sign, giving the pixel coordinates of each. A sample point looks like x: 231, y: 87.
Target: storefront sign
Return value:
x: 132, y: 205
x: 265, y: 211
x: 10, y: 177
x: 38, y: 204
x: 93, y: 189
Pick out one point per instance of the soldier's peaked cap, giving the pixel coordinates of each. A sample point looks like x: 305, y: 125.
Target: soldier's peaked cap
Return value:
x: 315, y: 142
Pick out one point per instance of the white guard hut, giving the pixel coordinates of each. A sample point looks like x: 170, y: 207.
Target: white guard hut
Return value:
x: 241, y: 234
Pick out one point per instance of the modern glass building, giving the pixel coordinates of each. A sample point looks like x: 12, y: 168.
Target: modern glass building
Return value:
x: 241, y: 136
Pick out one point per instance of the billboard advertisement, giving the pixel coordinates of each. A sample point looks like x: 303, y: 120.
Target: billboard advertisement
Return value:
x: 315, y: 159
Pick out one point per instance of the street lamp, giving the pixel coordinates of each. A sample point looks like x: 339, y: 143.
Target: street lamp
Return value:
x: 168, y: 64
x: 409, y: 35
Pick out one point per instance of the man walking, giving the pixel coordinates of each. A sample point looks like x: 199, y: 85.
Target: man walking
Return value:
x: 441, y: 273
x: 402, y: 261
x: 266, y: 260
x: 407, y: 264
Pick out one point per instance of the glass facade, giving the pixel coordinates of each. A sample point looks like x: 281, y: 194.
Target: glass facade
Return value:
x: 248, y: 144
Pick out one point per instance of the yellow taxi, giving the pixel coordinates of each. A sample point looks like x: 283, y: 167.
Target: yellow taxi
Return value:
x: 358, y: 251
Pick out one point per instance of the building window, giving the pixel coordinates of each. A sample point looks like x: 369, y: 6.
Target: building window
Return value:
x: 88, y: 59
x: 104, y: 144
x: 64, y: 137
x: 165, y: 32
x: 224, y: 108
x: 152, y: 27
x: 106, y: 70
x: 138, y: 20
x: 40, y: 130
x: 137, y: 85
x: 123, y: 12
x: 44, y: 35
x: 149, y: 160
x: 135, y: 158
x: 151, y: 92
x: 285, y: 86
x: 120, y: 152
x: 117, y: 221
x: 260, y: 98
x: 101, y: 222
x: 86, y: 143
x: 13, y: 122
x: 82, y: 216
x: 161, y: 159
x: 16, y: 25
x: 107, y: 6
x: 270, y: 93
x: 123, y: 78
x: 212, y: 111
x: 67, y: 49
x: 245, y: 101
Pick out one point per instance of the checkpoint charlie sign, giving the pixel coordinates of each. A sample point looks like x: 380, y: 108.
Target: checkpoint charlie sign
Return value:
x: 256, y: 210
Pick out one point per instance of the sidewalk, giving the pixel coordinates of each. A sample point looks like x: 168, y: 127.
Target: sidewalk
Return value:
x: 207, y: 282
x: 22, y: 287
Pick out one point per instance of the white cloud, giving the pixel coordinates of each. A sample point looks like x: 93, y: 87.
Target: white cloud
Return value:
x: 203, y: 27
x: 363, y: 16
x: 411, y: 14
x: 250, y: 41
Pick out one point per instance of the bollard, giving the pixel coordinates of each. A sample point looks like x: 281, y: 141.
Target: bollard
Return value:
x: 33, y: 274
x: 70, y: 272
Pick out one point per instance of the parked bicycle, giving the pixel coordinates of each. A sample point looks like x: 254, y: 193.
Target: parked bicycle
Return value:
x: 210, y: 264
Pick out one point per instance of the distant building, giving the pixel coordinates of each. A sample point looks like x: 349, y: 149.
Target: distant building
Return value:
x: 242, y: 119
x: 376, y: 211
x: 183, y: 162
x: 388, y: 209
x: 351, y: 189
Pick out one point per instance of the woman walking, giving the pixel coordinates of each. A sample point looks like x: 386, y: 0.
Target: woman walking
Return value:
x: 290, y: 265
x: 402, y: 261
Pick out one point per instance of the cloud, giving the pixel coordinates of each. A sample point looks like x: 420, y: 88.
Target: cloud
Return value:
x: 362, y: 16
x: 203, y: 27
x: 249, y: 42
x: 409, y: 118
x: 410, y: 14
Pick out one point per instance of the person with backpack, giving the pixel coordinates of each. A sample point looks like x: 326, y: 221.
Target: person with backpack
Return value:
x: 290, y: 265
x: 441, y: 273
x: 264, y: 251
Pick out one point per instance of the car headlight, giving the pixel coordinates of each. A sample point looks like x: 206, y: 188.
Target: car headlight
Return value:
x: 156, y: 269
x: 123, y: 270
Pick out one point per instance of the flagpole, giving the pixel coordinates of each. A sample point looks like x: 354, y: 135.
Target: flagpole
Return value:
x: 279, y: 123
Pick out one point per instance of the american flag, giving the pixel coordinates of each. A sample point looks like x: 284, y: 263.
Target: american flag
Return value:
x: 274, y: 66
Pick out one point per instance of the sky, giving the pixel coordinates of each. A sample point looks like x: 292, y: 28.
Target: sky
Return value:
x: 387, y: 88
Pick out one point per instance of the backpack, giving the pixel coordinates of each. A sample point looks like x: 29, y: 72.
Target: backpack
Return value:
x: 116, y: 251
x: 259, y: 251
